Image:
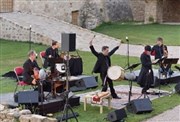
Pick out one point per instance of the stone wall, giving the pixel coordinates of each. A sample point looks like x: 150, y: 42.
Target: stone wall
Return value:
x: 53, y: 8
x: 138, y: 9
x: 171, y: 11
x: 91, y: 12
x: 153, y: 11
x: 118, y: 10
x: 12, y: 31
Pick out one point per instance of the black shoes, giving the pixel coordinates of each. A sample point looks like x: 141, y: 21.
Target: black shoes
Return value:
x: 117, y: 97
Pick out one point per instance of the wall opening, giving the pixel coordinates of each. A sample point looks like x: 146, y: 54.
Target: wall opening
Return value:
x: 75, y: 17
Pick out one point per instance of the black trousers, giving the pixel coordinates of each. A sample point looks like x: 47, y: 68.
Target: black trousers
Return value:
x: 105, y: 82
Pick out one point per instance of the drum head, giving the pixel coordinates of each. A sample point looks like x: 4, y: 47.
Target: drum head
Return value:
x: 114, y: 72
x: 61, y: 67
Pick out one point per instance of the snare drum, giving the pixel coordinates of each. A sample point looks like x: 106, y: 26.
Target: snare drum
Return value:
x: 116, y: 73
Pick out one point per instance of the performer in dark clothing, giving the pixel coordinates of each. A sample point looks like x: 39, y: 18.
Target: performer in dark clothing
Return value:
x: 30, y: 66
x: 145, y: 78
x: 157, y: 49
x: 102, y: 65
x: 52, y: 56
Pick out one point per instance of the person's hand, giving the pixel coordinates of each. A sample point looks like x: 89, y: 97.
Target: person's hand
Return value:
x: 119, y: 44
x: 34, y: 82
x: 90, y: 43
x: 50, y: 56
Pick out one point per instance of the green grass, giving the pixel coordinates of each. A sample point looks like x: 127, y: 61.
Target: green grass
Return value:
x: 14, y: 54
x: 141, y: 33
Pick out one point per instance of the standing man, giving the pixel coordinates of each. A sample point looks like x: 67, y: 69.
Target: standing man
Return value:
x: 146, y: 78
x: 157, y: 50
x: 102, y: 64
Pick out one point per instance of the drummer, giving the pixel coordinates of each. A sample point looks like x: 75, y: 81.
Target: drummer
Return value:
x: 102, y: 65
x: 52, y: 56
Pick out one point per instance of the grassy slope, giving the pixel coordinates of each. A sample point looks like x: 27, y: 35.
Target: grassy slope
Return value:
x: 142, y: 34
x: 14, y: 53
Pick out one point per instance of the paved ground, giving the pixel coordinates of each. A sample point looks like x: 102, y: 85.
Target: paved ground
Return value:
x: 172, y: 115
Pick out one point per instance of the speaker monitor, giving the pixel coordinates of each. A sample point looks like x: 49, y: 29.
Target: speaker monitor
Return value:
x: 117, y: 115
x: 90, y: 82
x: 83, y: 83
x: 28, y: 97
x: 68, y: 42
x: 177, y: 88
x: 139, y: 106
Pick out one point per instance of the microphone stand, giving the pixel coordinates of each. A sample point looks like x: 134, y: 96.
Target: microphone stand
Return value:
x: 30, y: 38
x: 128, y: 64
x: 67, y: 105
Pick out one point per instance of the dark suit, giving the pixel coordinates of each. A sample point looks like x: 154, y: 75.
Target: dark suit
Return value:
x: 54, y: 55
x: 28, y: 70
x: 145, y: 78
x: 102, y: 64
x: 157, y: 51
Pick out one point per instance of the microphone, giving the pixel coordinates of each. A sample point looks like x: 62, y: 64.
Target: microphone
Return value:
x: 127, y: 39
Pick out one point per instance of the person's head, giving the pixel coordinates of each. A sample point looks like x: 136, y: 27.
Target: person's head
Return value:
x: 55, y: 44
x: 32, y: 55
x: 147, y: 48
x: 159, y: 41
x: 105, y: 50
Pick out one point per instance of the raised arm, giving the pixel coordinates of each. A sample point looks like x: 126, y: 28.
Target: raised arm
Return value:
x: 92, y: 48
x: 114, y: 50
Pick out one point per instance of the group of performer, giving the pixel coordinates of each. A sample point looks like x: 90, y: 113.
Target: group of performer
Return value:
x: 159, y: 51
x: 31, y: 73
x: 101, y: 66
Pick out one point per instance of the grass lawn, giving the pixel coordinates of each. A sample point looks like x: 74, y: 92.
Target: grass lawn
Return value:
x: 141, y: 33
x: 14, y: 54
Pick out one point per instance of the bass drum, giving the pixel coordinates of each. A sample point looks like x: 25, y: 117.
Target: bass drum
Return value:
x: 116, y: 73
x: 61, y: 67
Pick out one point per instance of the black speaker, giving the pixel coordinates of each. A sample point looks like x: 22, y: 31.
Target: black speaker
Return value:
x: 90, y: 81
x: 28, y: 97
x: 177, y: 88
x: 68, y: 42
x: 83, y: 83
x: 117, y: 115
x: 139, y: 106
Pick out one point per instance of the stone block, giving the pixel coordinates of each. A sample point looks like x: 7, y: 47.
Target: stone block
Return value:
x: 10, y: 115
x: 25, y: 118
x: 50, y: 120
x: 37, y: 118
x: 2, y: 115
x: 2, y: 107
x: 25, y: 112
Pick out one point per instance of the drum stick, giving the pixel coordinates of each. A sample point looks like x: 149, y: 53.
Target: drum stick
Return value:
x: 93, y: 37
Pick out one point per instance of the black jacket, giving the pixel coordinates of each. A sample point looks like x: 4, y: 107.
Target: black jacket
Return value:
x: 103, y: 62
x: 53, y: 53
x: 157, y: 51
x: 28, y: 70
x: 145, y: 69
